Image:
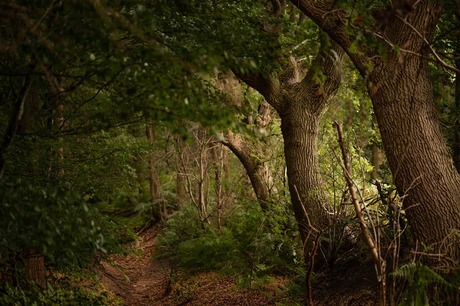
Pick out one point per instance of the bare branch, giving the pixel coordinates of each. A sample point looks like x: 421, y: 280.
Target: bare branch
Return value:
x: 370, y: 241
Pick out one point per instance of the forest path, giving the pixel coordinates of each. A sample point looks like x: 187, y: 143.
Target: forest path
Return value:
x: 136, y: 278
x: 140, y: 280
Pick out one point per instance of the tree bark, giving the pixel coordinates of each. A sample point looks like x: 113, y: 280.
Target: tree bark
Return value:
x: 254, y: 168
x: 248, y: 152
x: 300, y: 131
x: 154, y: 181
x: 34, y: 264
x: 300, y: 103
x: 456, y: 144
x: 183, y: 160
x: 402, y: 96
x: 418, y: 156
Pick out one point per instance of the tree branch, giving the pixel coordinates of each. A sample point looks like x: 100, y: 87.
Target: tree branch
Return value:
x: 328, y: 62
x: 267, y: 87
x: 331, y: 20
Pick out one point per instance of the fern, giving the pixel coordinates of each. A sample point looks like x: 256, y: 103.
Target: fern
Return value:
x: 419, y: 277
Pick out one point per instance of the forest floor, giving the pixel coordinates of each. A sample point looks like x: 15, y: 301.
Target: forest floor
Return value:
x: 137, y: 279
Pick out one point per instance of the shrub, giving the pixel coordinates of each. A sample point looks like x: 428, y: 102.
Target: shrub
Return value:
x: 53, y: 221
x: 52, y: 296
x: 249, y: 244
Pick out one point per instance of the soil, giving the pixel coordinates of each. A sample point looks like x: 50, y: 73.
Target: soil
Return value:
x: 137, y: 279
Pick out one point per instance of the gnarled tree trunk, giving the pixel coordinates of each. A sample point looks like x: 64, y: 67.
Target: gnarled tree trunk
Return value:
x: 402, y: 96
x: 300, y: 103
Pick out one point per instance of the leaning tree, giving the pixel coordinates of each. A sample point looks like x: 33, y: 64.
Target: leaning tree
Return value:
x: 391, y: 47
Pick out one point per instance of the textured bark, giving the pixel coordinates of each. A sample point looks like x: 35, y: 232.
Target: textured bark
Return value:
x: 220, y: 156
x: 34, y: 264
x: 456, y: 144
x: 416, y: 151
x: 254, y: 168
x: 402, y: 96
x: 248, y: 152
x: 300, y: 103
x: 300, y: 131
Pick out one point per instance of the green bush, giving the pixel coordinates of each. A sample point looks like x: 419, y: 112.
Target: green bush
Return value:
x: 53, y: 221
x: 424, y: 286
x: 267, y: 241
x: 51, y: 296
x: 211, y: 251
x: 183, y: 225
x: 249, y: 244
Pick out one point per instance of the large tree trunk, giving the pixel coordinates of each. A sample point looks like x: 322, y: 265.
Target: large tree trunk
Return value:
x: 402, y: 96
x: 456, y: 144
x: 420, y: 161
x: 300, y: 103
x: 300, y: 130
x: 416, y: 150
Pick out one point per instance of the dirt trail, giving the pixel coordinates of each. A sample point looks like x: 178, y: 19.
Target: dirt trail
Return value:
x: 139, y: 280
x: 136, y: 278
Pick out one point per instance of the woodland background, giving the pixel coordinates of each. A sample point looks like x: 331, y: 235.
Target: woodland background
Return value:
x: 265, y: 140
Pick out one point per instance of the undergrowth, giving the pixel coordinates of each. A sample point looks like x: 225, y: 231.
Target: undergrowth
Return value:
x: 249, y: 245
x: 52, y: 295
x: 423, y: 286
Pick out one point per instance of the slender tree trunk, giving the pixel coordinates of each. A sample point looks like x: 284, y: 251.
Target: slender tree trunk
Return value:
x: 154, y: 181
x: 202, y: 161
x: 203, y: 183
x: 219, y: 157
x: 254, y: 168
x: 181, y: 188
x: 15, y: 118
x: 183, y: 159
